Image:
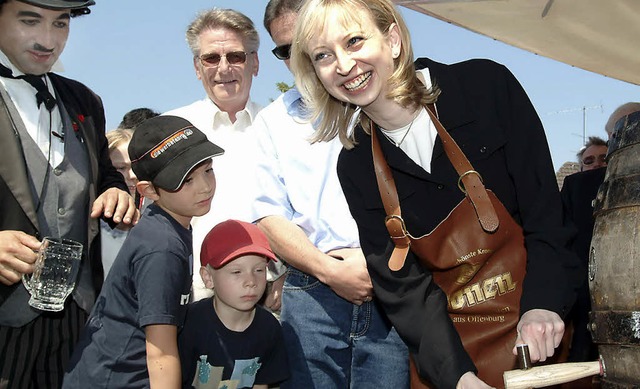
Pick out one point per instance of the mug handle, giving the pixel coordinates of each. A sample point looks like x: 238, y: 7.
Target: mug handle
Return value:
x: 26, y: 278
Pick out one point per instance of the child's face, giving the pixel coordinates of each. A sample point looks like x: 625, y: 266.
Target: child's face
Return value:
x: 194, y: 196
x: 120, y: 160
x: 240, y: 284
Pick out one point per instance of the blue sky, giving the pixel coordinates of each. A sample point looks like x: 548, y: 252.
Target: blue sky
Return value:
x: 133, y: 54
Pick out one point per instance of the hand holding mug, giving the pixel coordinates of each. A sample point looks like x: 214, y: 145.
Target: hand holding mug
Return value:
x: 55, y: 273
x: 18, y: 253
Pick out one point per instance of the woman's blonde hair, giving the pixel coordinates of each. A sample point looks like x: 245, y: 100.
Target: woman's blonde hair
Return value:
x: 330, y: 115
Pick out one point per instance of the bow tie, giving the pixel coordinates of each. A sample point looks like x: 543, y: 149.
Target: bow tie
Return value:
x: 42, y: 95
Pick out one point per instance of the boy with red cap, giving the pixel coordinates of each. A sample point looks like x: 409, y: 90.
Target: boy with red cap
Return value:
x: 131, y: 338
x: 228, y: 339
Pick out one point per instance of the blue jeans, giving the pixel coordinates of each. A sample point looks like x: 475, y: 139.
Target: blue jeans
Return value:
x: 332, y: 343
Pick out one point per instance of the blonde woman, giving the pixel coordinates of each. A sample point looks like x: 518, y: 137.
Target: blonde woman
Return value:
x: 353, y: 64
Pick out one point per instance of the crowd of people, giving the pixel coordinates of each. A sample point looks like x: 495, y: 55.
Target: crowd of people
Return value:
x: 232, y: 245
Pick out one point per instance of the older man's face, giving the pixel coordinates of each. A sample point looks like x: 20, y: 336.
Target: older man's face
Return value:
x: 31, y: 37
x: 594, y: 157
x: 227, y: 84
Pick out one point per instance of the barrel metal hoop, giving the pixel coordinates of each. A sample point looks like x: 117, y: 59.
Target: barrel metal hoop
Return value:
x: 615, y: 327
x: 620, y: 192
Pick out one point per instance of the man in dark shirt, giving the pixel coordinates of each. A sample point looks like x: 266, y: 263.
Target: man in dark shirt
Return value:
x: 578, y: 193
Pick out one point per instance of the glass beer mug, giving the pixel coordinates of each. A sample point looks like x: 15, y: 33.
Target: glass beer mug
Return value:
x: 55, y: 273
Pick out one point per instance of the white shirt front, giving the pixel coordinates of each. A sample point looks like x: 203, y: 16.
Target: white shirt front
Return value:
x: 420, y: 138
x: 298, y: 180
x: 39, y: 122
x: 233, y: 171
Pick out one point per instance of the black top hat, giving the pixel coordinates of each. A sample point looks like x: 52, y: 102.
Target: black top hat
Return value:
x: 60, y: 4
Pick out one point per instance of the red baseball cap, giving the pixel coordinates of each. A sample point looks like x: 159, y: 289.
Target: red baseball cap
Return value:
x: 232, y: 239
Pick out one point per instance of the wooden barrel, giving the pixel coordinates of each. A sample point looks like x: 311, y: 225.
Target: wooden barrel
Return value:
x: 614, y: 259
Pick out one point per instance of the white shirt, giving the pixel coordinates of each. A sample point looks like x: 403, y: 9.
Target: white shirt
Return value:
x: 233, y: 171
x: 298, y: 180
x: 111, y: 240
x: 37, y: 120
x: 419, y: 141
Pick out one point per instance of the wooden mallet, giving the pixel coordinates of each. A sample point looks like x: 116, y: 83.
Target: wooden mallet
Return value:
x: 541, y: 376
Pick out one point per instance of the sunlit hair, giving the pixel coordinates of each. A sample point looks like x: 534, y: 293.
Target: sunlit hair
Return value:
x: 592, y: 141
x: 117, y: 137
x: 227, y: 19
x: 332, y: 116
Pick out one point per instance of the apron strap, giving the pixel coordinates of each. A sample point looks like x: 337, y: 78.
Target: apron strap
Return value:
x: 469, y: 182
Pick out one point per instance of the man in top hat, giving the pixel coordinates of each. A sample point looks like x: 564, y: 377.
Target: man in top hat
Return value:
x: 55, y: 180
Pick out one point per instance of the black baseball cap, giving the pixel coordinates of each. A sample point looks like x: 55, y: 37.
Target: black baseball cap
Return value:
x: 164, y: 149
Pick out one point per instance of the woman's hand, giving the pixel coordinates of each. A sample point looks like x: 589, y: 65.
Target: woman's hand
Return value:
x: 542, y: 330
x: 470, y: 381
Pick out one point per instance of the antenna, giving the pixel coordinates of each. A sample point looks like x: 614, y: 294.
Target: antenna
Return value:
x: 584, y: 110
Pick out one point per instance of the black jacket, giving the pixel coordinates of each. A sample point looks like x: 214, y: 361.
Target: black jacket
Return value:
x: 17, y: 207
x: 578, y: 193
x: 487, y: 112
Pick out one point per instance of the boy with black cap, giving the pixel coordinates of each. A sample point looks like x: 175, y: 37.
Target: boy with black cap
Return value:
x: 130, y: 340
x: 227, y: 340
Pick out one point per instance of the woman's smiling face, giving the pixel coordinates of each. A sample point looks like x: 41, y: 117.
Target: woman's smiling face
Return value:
x: 354, y: 59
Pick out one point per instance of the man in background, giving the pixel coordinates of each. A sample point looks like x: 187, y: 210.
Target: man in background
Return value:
x: 224, y: 44
x: 593, y: 155
x: 136, y: 116
x: 335, y: 333
x: 578, y: 192
x: 55, y: 180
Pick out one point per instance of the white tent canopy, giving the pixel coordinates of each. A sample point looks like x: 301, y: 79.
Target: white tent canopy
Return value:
x: 601, y: 36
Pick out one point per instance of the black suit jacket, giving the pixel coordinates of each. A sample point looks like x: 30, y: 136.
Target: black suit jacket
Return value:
x: 578, y: 192
x: 17, y: 207
x: 487, y: 112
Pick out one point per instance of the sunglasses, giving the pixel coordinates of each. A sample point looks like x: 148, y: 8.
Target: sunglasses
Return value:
x: 590, y: 160
x: 233, y: 58
x: 282, y: 52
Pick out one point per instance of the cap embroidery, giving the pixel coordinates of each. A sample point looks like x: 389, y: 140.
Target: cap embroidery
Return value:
x: 170, y: 141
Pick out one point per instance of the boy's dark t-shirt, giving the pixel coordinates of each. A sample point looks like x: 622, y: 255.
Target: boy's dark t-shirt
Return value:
x: 149, y: 283
x: 210, y: 352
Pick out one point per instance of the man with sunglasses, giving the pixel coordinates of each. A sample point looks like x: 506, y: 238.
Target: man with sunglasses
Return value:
x: 55, y: 180
x: 578, y: 193
x: 335, y: 334
x: 593, y: 155
x: 224, y: 43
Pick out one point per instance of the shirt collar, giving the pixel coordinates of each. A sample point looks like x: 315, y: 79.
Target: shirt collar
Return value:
x: 294, y: 103
x: 292, y: 97
x: 246, y: 116
x: 5, y: 61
